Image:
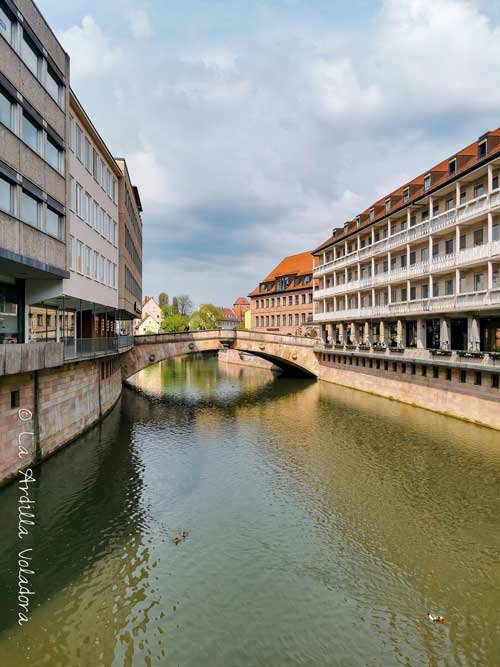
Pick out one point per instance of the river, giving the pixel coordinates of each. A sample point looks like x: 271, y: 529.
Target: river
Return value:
x: 322, y: 524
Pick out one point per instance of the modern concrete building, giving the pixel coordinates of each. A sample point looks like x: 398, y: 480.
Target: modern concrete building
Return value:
x: 130, y: 249
x: 417, y: 273
x: 34, y: 74
x: 283, y: 301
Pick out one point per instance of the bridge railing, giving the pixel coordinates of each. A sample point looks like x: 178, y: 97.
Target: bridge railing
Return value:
x: 94, y: 347
x: 226, y: 335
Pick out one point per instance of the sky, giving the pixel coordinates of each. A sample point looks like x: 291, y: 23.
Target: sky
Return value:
x: 253, y: 127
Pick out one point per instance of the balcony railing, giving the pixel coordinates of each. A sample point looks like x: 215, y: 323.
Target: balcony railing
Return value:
x: 432, y: 305
x: 447, y: 219
x: 95, y: 347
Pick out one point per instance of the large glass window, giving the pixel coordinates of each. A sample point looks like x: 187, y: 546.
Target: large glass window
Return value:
x: 5, y: 110
x: 9, y: 321
x: 30, y: 55
x: 30, y: 132
x: 6, y: 196
x: 53, y: 154
x: 30, y: 209
x: 5, y: 26
x: 54, y: 224
x: 79, y: 140
x: 54, y: 86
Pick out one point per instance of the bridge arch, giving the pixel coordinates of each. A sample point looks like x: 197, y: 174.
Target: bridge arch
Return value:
x: 288, y: 351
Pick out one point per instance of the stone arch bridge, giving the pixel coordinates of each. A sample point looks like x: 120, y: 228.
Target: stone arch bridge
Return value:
x: 285, y: 351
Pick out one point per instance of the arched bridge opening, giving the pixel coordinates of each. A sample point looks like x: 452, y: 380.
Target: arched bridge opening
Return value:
x: 292, y: 354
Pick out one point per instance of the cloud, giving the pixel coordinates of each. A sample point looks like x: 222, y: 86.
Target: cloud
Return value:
x: 139, y: 23
x: 250, y: 142
x: 92, y: 52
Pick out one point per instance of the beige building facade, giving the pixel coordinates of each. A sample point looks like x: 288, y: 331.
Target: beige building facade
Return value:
x: 283, y: 301
x: 34, y: 75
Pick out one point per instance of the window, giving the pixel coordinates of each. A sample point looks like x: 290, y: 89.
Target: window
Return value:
x: 114, y: 190
x: 30, y: 209
x: 79, y: 256
x: 95, y: 262
x: 450, y: 203
x: 30, y: 55
x: 478, y: 190
x: 424, y: 254
x: 95, y: 169
x: 79, y: 200
x: 478, y: 282
x: 6, y: 196
x: 448, y: 287
x: 482, y: 149
x: 95, y: 216
x: 30, y: 132
x: 413, y: 293
x: 463, y: 377
x: 495, y: 280
x: 452, y: 166
x: 72, y: 252
x: 478, y: 379
x: 448, y: 247
x: 54, y: 86
x: 435, y: 372
x: 88, y: 210
x: 79, y: 143
x: 406, y: 194
x: 372, y: 214
x: 102, y: 172
x: 495, y: 183
x: 448, y: 374
x: 425, y: 291
x: 387, y: 204
x: 478, y: 237
x: 53, y: 154
x: 404, y: 294
x: 424, y: 371
x: 463, y: 196
x: 463, y: 242
x: 14, y: 395
x: 427, y: 182
x: 54, y: 224
x: 5, y: 25
x: 494, y: 232
x: 413, y: 257
x: 403, y: 261
x: 435, y: 289
x: 88, y: 155
x: 6, y: 109
x: 88, y: 259
x: 115, y: 236
x: 495, y: 381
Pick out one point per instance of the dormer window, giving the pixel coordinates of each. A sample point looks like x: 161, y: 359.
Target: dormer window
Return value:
x: 388, y: 204
x: 452, y: 166
x: 372, y: 214
x: 427, y: 182
x: 406, y: 194
x: 358, y: 221
x: 482, y: 149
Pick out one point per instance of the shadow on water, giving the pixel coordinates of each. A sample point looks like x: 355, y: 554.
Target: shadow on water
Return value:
x: 323, y: 523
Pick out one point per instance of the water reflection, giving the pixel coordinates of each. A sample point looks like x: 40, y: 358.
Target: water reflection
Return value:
x: 323, y: 523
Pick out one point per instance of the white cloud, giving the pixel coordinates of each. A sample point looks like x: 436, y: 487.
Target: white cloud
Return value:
x: 90, y: 49
x: 139, y: 23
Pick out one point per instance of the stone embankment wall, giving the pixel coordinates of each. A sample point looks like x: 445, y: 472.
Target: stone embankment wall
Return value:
x: 235, y: 357
x: 67, y: 401
x: 477, y: 404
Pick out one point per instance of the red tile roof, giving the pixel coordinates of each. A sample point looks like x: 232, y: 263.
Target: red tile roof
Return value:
x: 241, y: 301
x: 467, y: 158
x: 228, y: 315
x: 300, y: 264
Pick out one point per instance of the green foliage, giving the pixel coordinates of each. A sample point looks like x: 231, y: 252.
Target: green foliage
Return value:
x: 163, y: 299
x: 173, y: 321
x: 175, y: 306
x: 206, y: 317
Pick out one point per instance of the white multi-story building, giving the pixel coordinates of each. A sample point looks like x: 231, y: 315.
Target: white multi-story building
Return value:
x: 420, y: 268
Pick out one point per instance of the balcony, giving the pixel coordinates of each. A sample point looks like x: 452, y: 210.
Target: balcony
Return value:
x: 89, y: 348
x: 462, y: 213
x: 440, y: 304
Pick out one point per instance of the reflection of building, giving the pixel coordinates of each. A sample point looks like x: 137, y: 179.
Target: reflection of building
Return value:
x: 282, y: 302
x: 150, y: 309
x: 33, y: 161
x: 420, y: 268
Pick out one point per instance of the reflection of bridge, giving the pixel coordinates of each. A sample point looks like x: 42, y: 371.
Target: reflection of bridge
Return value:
x: 285, y: 351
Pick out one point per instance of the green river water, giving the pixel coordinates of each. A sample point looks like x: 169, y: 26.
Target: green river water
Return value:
x: 323, y: 524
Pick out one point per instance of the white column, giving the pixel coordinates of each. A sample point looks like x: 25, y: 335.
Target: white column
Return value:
x: 407, y: 257
x: 490, y: 226
x: 373, y: 266
x: 335, y: 303
x: 457, y: 281
x: 457, y: 240
x: 408, y: 217
x: 389, y: 262
x: 457, y: 193
x: 358, y: 239
x: 431, y: 207
x: 334, y: 279
x: 389, y: 227
x: 389, y: 292
x: 421, y: 334
x: 490, y: 178
x: 490, y: 275
x: 431, y: 286
x: 430, y: 249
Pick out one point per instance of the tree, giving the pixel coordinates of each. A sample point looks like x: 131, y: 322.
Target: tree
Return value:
x: 185, y: 304
x: 175, y: 306
x: 172, y: 323
x: 163, y: 299
x: 206, y: 317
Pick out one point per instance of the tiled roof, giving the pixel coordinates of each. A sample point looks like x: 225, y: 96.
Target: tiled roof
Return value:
x: 241, y: 301
x: 467, y: 158
x: 228, y: 315
x: 300, y: 264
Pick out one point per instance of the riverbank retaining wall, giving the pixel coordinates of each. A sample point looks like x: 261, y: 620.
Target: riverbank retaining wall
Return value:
x: 477, y: 404
x: 44, y: 410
